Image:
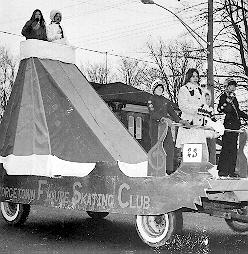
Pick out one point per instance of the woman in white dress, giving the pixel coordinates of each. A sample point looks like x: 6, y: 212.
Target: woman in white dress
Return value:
x: 192, y: 103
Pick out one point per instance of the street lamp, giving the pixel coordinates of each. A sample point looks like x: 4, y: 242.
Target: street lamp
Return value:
x: 147, y: 1
x: 189, y: 29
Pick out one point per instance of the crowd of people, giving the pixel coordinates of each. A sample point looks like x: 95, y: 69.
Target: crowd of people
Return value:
x: 36, y: 27
x: 195, y: 106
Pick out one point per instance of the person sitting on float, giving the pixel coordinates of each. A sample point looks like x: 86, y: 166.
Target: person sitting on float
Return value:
x: 55, y: 32
x: 35, y: 28
x: 161, y: 109
x: 192, y: 103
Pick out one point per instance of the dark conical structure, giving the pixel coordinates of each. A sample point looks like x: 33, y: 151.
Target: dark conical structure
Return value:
x: 55, y: 122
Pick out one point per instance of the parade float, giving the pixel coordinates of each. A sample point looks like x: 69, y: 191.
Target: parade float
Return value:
x: 62, y: 146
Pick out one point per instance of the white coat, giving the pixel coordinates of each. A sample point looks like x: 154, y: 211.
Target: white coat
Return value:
x: 54, y: 33
x: 190, y: 98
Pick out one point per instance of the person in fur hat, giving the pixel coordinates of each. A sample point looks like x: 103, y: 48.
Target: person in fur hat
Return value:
x: 55, y: 32
x: 35, y: 28
x: 160, y: 108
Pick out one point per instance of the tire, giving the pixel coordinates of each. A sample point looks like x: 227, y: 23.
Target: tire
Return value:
x: 158, y: 230
x: 97, y: 215
x: 15, y: 213
x: 237, y: 226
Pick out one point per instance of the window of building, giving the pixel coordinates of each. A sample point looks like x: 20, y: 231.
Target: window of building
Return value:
x: 135, y: 125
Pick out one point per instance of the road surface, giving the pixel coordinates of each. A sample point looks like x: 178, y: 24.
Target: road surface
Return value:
x: 57, y: 231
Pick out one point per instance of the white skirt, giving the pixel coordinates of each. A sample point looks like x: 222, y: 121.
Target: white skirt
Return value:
x: 185, y: 136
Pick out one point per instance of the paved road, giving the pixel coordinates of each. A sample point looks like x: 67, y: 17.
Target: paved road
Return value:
x: 58, y: 231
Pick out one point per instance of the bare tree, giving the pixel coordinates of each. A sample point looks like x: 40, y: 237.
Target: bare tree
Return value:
x: 237, y: 14
x: 98, y: 73
x: 7, y: 74
x: 132, y: 71
x: 230, y: 34
x: 173, y: 62
x: 149, y: 74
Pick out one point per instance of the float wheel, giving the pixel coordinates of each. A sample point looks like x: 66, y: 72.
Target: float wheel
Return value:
x: 158, y: 230
x: 97, y: 215
x: 237, y: 226
x: 15, y: 213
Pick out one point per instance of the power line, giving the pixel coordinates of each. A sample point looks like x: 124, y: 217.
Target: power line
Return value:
x: 9, y: 33
x: 112, y: 54
x: 120, y: 34
x: 90, y: 50
x: 73, y: 16
x: 24, y: 18
x: 106, y: 8
x: 142, y: 25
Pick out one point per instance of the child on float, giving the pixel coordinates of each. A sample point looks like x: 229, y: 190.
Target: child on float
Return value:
x: 55, y: 32
x: 160, y: 109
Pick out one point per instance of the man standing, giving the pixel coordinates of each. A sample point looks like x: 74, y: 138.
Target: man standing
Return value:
x: 229, y: 105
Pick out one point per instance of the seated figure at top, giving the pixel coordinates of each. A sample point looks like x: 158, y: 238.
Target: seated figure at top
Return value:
x: 55, y: 32
x: 35, y: 28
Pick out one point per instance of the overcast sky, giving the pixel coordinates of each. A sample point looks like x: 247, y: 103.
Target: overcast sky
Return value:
x: 116, y: 26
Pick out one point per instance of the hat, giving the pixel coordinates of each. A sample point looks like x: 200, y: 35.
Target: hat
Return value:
x: 53, y: 13
x: 155, y: 84
x: 231, y: 82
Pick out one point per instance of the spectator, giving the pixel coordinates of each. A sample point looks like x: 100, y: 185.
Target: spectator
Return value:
x: 35, y: 28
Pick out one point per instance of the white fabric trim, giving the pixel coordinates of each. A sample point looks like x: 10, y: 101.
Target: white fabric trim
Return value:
x: 47, y: 50
x: 214, y: 172
x: 44, y: 165
x: 52, y: 166
x: 134, y: 170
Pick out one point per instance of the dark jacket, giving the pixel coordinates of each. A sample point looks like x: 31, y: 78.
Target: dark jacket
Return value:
x: 160, y: 107
x: 232, y: 111
x: 30, y: 33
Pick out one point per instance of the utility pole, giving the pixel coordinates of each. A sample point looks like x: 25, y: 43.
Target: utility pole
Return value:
x: 210, y: 75
x: 106, y: 67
